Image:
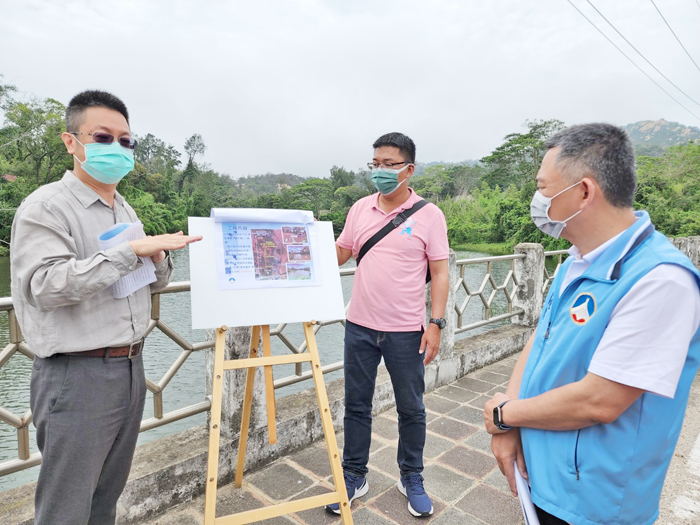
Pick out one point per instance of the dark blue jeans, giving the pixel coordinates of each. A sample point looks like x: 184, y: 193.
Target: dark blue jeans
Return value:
x: 364, y: 349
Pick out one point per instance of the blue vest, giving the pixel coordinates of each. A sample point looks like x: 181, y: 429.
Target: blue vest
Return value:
x: 606, y: 473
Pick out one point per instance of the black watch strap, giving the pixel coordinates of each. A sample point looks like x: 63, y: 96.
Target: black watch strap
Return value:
x: 498, y: 417
x: 441, y: 323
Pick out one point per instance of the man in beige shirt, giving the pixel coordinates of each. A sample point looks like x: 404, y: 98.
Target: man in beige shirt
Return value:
x: 88, y: 385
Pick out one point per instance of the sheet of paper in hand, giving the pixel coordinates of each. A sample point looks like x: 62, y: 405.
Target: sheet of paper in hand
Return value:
x: 528, y: 508
x: 143, y: 275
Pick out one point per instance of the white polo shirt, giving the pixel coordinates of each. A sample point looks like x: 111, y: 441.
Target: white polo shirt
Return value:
x: 646, y: 342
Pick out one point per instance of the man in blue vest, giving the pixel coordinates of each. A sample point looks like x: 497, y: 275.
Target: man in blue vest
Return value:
x: 596, y: 401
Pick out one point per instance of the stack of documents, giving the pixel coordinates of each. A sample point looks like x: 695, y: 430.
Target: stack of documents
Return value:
x: 143, y: 275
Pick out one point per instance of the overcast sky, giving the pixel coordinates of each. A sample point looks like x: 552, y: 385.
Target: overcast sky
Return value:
x: 298, y: 86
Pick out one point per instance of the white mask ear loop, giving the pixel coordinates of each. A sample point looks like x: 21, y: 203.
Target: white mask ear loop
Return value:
x: 400, y: 183
x: 565, y: 189
x: 562, y: 191
x: 404, y: 168
x: 84, y: 150
x: 574, y: 215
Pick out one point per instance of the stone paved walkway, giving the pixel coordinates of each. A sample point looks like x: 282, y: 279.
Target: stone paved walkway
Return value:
x: 461, y: 475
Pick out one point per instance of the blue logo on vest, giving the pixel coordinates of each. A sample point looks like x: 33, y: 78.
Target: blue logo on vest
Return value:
x: 583, y: 308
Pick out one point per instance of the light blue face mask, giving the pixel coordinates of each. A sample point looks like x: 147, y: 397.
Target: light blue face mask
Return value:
x: 386, y: 180
x: 107, y: 163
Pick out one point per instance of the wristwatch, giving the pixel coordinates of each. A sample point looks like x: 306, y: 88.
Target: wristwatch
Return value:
x: 442, y: 323
x: 498, y: 418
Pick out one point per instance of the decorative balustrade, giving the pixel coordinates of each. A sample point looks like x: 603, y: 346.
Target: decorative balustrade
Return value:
x: 487, y: 291
x: 549, y: 277
x: 495, y: 296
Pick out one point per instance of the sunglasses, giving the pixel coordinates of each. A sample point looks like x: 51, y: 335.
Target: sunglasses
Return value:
x: 106, y: 138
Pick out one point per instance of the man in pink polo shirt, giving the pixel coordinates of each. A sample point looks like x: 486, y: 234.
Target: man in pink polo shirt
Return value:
x: 386, y: 318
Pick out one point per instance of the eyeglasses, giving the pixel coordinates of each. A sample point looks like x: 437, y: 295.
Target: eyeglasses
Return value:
x: 375, y: 165
x: 106, y: 138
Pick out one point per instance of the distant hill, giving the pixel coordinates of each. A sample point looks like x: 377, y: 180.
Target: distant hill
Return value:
x: 652, y: 137
x: 421, y: 166
x: 269, y: 182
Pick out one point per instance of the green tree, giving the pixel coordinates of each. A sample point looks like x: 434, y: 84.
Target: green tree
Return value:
x: 194, y: 146
x: 340, y: 177
x: 6, y: 91
x: 669, y: 189
x: 518, y: 159
x: 33, y: 134
x: 188, y: 175
x: 11, y: 196
x: 436, y: 183
x: 343, y: 199
x: 312, y: 194
x: 156, y: 156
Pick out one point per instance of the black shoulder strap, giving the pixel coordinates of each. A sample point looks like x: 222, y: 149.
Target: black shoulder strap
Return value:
x: 391, y: 226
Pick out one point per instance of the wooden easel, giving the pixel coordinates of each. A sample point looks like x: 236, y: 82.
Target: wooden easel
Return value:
x: 267, y: 360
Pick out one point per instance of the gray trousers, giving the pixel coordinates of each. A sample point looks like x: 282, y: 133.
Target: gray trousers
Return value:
x: 87, y: 412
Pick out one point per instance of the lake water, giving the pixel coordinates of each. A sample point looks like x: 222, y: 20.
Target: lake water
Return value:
x: 188, y: 385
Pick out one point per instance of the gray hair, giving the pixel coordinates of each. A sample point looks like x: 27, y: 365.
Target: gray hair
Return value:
x: 602, y: 151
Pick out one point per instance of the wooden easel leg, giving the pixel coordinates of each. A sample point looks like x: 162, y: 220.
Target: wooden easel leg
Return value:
x: 247, y: 408
x: 269, y: 389
x: 214, y: 429
x: 327, y: 423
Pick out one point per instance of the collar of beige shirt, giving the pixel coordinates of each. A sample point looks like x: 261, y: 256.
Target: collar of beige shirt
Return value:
x: 84, y: 193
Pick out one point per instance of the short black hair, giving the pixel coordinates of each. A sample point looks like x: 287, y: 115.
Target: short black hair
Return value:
x: 602, y: 151
x: 406, y: 146
x: 91, y: 99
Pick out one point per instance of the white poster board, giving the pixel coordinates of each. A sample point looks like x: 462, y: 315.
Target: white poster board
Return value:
x: 213, y: 307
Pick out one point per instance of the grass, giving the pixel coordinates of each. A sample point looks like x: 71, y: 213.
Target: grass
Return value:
x: 502, y: 248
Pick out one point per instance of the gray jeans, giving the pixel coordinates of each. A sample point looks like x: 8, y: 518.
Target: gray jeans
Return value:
x: 87, y: 412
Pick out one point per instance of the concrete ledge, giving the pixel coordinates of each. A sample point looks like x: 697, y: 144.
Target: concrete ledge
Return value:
x: 171, y: 470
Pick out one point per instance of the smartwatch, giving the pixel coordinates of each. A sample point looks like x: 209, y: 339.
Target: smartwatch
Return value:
x: 498, y: 417
x: 442, y: 323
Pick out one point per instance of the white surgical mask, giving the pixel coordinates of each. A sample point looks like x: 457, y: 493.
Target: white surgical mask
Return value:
x: 539, y: 211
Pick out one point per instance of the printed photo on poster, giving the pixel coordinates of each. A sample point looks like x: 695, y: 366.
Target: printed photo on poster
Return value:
x: 295, y: 234
x: 299, y: 271
x: 269, y: 254
x: 265, y: 255
x: 298, y: 252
